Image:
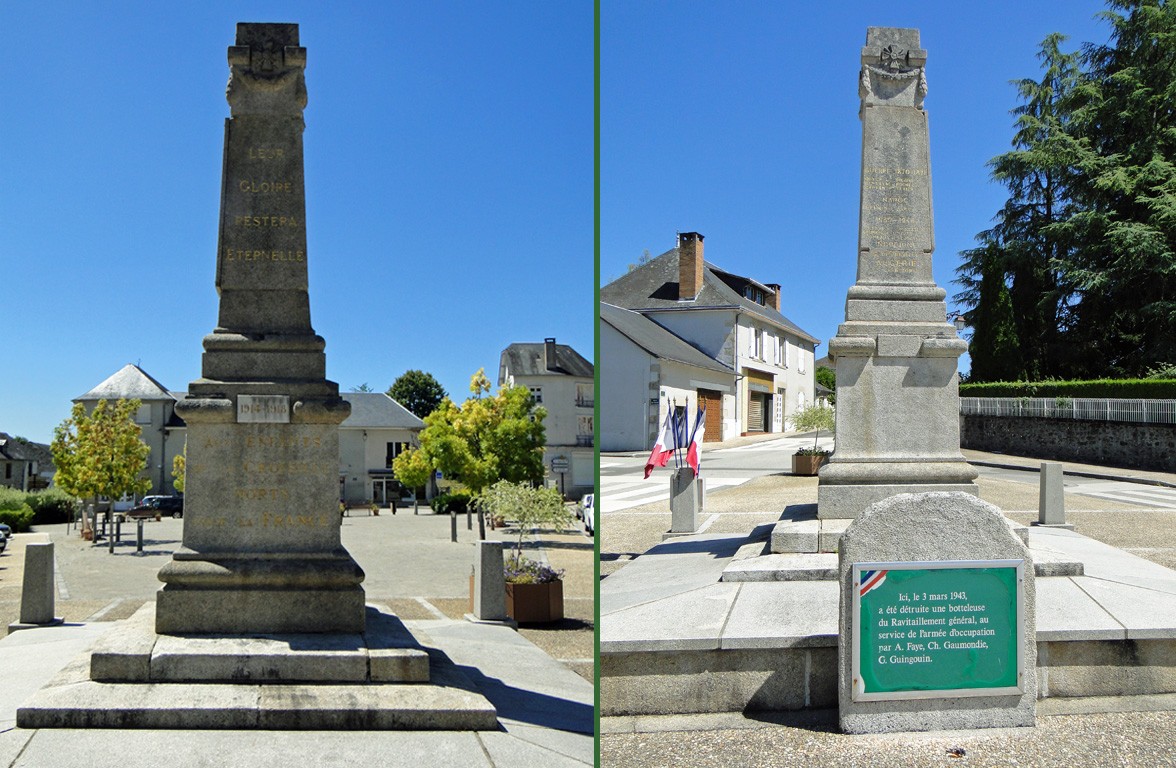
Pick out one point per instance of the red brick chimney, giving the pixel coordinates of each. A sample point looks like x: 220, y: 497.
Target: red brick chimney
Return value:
x: 689, y: 265
x: 775, y: 297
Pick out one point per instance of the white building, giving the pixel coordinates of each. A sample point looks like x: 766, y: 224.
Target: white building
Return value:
x: 732, y: 320
x: 562, y: 381
x: 377, y: 430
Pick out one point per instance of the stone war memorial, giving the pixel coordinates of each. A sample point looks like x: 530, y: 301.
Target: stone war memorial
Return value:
x: 900, y: 599
x: 261, y: 622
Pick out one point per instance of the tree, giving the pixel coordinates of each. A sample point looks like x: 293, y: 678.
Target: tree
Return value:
x: 827, y: 378
x: 417, y: 391
x: 528, y: 506
x: 1014, y: 298
x: 485, y: 439
x: 180, y: 470
x: 413, y: 470
x: 816, y: 418
x: 100, y: 454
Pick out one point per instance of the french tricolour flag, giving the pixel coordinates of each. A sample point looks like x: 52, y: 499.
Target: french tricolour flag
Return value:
x: 663, y: 448
x: 694, y: 452
x: 871, y: 579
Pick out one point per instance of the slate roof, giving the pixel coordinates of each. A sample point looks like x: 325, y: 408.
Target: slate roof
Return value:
x: 654, y: 287
x: 15, y: 450
x: 130, y: 382
x: 529, y: 359
x: 375, y: 410
x: 656, y: 340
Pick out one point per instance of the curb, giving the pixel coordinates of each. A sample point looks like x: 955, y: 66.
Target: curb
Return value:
x: 1080, y: 473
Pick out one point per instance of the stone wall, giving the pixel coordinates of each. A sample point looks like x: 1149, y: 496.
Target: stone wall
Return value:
x: 1122, y: 444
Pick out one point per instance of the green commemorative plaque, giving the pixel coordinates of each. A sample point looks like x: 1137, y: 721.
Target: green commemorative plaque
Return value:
x: 938, y: 629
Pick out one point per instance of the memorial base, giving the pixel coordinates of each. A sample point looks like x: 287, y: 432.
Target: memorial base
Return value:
x: 383, y: 678
x: 843, y: 502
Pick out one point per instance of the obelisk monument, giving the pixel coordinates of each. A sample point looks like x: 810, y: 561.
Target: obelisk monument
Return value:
x: 261, y: 547
x: 896, y: 355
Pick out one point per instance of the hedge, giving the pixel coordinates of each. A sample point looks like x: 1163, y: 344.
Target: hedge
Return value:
x: 37, y: 508
x: 1125, y: 389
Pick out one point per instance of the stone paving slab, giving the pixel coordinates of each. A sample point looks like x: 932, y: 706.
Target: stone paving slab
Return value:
x: 686, y: 621
x: 1066, y: 612
x: 801, y: 566
x: 1146, y: 614
x: 669, y: 569
x: 752, y: 623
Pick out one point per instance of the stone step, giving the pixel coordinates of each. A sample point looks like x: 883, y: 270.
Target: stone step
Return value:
x: 800, y: 531
x: 822, y: 566
x: 134, y: 653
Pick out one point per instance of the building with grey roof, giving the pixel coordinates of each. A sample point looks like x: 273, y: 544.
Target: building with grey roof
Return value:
x: 24, y: 465
x: 563, y: 382
x: 377, y: 430
x: 732, y: 320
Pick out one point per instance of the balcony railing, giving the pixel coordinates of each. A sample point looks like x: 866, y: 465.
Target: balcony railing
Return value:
x: 585, y: 402
x: 584, y: 441
x: 1088, y: 408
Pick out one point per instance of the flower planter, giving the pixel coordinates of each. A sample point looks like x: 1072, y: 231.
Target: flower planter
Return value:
x: 807, y: 465
x: 535, y: 603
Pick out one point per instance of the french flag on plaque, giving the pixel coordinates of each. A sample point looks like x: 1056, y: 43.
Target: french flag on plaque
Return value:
x: 871, y: 579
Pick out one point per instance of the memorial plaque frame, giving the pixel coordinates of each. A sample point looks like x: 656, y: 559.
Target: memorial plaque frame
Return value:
x: 858, y: 689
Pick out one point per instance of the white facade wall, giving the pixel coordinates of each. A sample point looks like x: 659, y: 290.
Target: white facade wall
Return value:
x: 627, y: 384
x: 680, y: 382
x: 569, y: 402
x: 359, y: 453
x: 768, y: 351
x: 708, y: 330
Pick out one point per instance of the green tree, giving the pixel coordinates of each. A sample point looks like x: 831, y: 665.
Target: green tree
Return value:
x: 417, y: 391
x: 827, y: 378
x: 100, y: 454
x: 1124, y: 121
x: 486, y: 439
x: 180, y: 470
x: 1013, y: 296
x: 815, y: 418
x: 528, y: 506
x: 413, y: 470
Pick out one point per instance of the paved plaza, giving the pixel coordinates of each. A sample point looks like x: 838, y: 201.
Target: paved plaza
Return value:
x: 539, y: 678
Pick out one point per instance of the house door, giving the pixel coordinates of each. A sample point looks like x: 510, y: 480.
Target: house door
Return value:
x: 757, y: 412
x: 380, y: 491
x: 712, y: 401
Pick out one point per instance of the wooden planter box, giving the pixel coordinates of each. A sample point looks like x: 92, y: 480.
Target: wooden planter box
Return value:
x: 535, y: 603
x: 807, y: 465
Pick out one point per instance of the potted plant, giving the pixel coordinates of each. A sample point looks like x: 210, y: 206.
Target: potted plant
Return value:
x: 534, y: 590
x: 808, y: 461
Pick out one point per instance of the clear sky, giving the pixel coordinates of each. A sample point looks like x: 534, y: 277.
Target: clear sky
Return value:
x: 739, y: 121
x: 449, y: 187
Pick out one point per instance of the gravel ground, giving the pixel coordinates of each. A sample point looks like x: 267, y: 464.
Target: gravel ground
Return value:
x: 1064, y: 741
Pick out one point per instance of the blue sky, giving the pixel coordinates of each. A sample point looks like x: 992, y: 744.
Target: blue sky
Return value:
x: 449, y: 182
x: 739, y: 121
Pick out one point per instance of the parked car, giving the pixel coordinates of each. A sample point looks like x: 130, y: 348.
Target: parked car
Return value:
x: 587, y: 512
x: 5, y: 531
x: 151, y: 506
x: 3, y: 544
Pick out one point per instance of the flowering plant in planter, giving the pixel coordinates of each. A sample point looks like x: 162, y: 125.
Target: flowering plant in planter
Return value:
x: 806, y: 461
x: 520, y: 570
x: 529, y: 507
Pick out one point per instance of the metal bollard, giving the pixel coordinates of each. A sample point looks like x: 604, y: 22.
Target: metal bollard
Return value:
x: 139, y: 536
x: 481, y: 526
x: 469, y: 519
x: 453, y: 525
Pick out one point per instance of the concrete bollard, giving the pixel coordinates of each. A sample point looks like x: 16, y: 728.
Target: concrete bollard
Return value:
x: 686, y: 500
x: 37, y: 593
x: 489, y: 582
x: 1051, y: 504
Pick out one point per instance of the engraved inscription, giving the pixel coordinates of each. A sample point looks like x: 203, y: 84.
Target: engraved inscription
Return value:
x: 266, y: 153
x: 265, y: 187
x: 272, y: 409
x: 237, y: 254
x: 265, y: 221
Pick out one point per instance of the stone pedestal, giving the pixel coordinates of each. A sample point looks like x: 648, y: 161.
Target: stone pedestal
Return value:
x: 489, y: 583
x: 686, y: 500
x: 896, y: 355
x: 37, y: 596
x: 1051, y: 505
